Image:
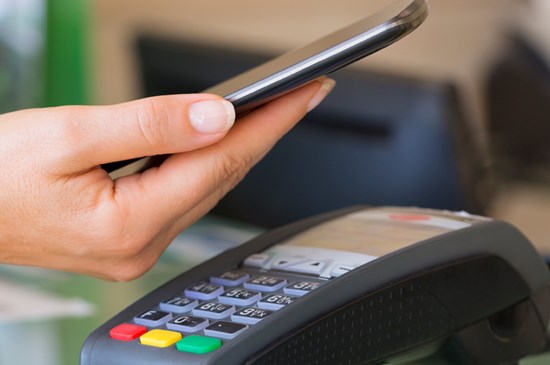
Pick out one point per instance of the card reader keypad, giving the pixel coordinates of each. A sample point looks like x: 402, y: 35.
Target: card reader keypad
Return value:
x: 188, y: 324
x: 230, y: 278
x: 250, y: 315
x: 178, y: 304
x: 203, y: 291
x: 213, y: 311
x: 153, y: 318
x: 275, y: 301
x: 266, y: 283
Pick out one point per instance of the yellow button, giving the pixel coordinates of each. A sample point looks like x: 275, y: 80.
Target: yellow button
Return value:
x: 160, y: 338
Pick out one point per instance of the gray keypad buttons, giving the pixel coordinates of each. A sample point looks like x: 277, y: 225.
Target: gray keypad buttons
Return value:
x: 308, y: 267
x: 300, y: 288
x: 340, y: 269
x: 178, y: 304
x: 276, y: 301
x: 240, y: 297
x: 230, y: 278
x: 250, y: 315
x: 265, y: 283
x: 225, y: 330
x: 256, y: 260
x: 187, y: 324
x: 282, y: 263
x: 204, y: 291
x: 214, y: 310
x: 153, y: 318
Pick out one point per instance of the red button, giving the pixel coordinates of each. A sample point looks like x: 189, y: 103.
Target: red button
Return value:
x: 127, y: 332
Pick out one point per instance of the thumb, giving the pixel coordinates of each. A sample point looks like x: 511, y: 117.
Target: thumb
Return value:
x: 145, y: 127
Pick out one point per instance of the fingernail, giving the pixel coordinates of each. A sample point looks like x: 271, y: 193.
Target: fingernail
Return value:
x: 326, y: 88
x: 211, y: 116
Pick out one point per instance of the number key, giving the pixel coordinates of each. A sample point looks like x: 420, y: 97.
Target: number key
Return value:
x: 214, y: 310
x: 204, y: 291
x: 240, y: 297
x: 265, y: 283
x: 276, y: 301
x: 187, y: 324
x: 178, y: 304
x: 230, y: 278
x: 300, y: 288
x: 250, y: 315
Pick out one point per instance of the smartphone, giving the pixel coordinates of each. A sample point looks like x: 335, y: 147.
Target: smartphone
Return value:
x: 291, y: 70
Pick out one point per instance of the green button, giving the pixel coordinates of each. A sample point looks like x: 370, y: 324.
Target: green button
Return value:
x: 198, y: 344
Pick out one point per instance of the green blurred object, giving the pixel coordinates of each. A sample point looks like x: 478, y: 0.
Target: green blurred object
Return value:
x: 66, y: 83
x: 66, y: 52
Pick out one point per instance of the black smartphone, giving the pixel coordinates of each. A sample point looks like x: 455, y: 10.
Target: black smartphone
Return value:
x: 302, y: 65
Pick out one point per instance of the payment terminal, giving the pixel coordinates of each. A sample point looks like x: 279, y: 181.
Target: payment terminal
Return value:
x: 355, y: 286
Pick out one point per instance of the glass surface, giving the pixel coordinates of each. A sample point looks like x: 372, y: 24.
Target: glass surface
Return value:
x: 57, y: 339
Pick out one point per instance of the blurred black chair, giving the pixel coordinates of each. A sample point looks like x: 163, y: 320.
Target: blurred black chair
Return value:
x: 518, y: 103
x: 377, y: 139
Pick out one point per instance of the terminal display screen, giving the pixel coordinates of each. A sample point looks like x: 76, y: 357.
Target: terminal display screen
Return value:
x: 378, y: 232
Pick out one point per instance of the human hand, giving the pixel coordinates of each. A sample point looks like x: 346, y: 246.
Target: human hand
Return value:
x: 59, y: 209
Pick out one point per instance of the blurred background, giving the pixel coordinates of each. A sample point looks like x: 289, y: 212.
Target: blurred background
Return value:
x: 455, y: 116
